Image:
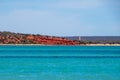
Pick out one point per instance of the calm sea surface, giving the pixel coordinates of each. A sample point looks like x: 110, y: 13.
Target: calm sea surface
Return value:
x: 59, y: 62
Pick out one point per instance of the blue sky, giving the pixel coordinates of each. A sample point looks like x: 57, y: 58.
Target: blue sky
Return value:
x: 61, y: 17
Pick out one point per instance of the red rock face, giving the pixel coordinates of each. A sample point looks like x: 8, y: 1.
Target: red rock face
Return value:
x: 35, y: 39
x: 30, y: 37
x: 0, y: 37
x: 54, y: 41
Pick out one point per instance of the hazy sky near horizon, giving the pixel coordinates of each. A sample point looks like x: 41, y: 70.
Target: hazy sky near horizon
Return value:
x: 61, y: 17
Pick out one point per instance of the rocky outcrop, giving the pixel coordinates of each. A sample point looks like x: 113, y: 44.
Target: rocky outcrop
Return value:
x: 17, y: 38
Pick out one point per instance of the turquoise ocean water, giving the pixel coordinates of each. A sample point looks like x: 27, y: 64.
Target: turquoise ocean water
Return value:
x: 59, y: 62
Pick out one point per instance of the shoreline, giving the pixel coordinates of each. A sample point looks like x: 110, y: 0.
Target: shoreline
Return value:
x: 59, y: 45
x: 102, y: 44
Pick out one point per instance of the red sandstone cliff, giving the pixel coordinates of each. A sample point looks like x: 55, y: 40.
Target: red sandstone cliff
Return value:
x: 17, y: 38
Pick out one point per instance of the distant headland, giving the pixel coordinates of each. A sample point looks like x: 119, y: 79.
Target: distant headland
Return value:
x: 20, y: 38
x: 11, y: 38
